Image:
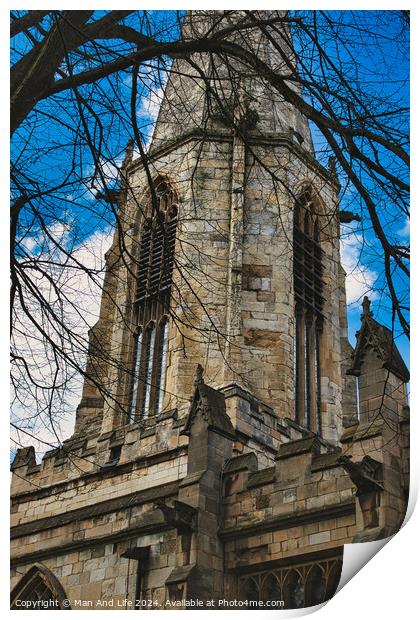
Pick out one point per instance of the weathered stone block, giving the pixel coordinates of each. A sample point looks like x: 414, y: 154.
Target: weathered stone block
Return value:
x: 319, y: 538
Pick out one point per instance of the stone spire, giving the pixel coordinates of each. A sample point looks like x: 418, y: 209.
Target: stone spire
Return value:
x: 188, y: 106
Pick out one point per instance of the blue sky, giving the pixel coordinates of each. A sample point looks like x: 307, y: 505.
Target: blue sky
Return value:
x: 74, y: 203
x: 380, y: 69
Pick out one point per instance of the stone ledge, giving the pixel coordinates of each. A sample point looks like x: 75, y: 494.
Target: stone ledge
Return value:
x: 95, y: 510
x: 76, y: 545
x: 88, y: 452
x: 257, y: 407
x: 326, y: 461
x: 297, y: 427
x: 283, y: 430
x: 91, y: 402
x: 348, y: 433
x: 147, y: 432
x: 328, y: 553
x: 298, y: 446
x: 369, y: 535
x: 180, y: 573
x: 166, y: 415
x: 35, y: 469
x: 74, y: 443
x: 226, y: 135
x: 192, y: 478
x: 243, y: 461
x: 363, y: 431
x: 265, y: 476
x: 291, y: 519
x: 73, y: 483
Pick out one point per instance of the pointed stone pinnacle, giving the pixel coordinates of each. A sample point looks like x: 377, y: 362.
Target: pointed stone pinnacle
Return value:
x: 367, y: 313
x: 199, y: 375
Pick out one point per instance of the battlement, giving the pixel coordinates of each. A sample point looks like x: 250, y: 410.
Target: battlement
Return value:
x: 223, y: 473
x: 94, y: 455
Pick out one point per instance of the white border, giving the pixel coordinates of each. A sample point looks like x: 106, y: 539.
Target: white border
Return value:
x: 387, y: 586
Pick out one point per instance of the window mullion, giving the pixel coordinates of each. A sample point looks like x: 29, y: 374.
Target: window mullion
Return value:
x: 300, y: 350
x: 161, y: 361
x: 151, y: 332
x: 318, y: 379
x: 307, y: 361
x: 136, y: 374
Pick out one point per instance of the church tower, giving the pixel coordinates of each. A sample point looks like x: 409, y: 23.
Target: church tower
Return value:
x: 232, y: 237
x: 211, y: 458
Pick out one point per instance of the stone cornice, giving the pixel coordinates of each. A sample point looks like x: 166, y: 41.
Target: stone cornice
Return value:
x: 292, y: 519
x: 278, y: 523
x: 254, y: 139
x: 95, y: 510
x: 293, y: 560
x: 98, y: 474
x: 77, y: 545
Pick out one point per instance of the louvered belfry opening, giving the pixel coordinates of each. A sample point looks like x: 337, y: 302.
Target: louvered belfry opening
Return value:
x: 309, y: 302
x: 151, y: 304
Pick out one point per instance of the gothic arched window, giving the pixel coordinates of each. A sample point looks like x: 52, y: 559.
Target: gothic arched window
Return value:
x: 293, y: 590
x: 301, y: 585
x: 40, y: 589
x: 250, y: 590
x: 315, y: 586
x: 334, y: 576
x: 309, y: 300
x: 271, y: 590
x: 151, y: 304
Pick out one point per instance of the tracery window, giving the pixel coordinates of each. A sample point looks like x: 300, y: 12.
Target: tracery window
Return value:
x: 151, y: 305
x: 292, y: 587
x: 309, y: 301
x: 40, y: 589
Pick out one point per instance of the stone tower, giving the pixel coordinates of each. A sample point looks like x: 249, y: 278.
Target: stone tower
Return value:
x: 232, y: 300
x: 207, y: 442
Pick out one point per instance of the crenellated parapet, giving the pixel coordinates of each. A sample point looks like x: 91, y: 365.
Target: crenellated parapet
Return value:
x: 217, y: 491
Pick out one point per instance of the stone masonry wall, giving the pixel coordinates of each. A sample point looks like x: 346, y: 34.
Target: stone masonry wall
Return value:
x: 261, y: 360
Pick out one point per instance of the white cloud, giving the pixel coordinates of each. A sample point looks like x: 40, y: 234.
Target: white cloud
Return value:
x: 60, y: 232
x: 28, y: 244
x: 405, y: 230
x: 154, y: 82
x: 150, y: 104
x: 360, y: 278
x: 108, y: 170
x: 78, y: 304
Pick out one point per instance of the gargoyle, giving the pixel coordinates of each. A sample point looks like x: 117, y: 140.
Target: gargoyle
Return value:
x: 181, y: 515
x: 365, y: 474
